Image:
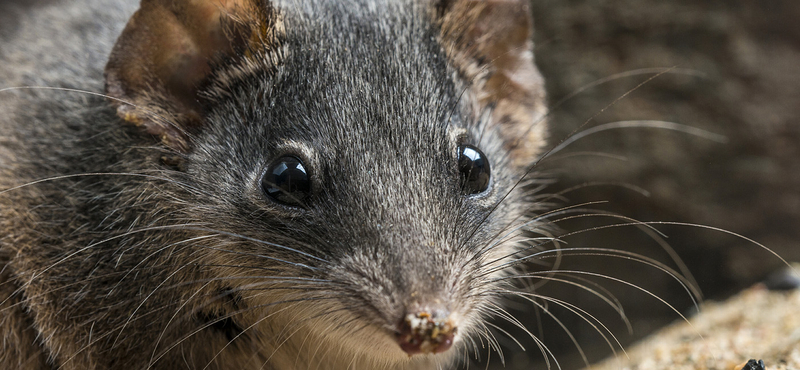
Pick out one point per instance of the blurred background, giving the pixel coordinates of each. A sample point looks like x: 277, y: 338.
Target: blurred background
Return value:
x: 729, y: 67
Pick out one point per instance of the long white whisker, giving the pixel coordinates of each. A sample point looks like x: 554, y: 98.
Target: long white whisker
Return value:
x: 664, y: 125
x: 671, y: 307
x: 179, y: 269
x: 559, y: 322
x: 142, y: 175
x: 691, y: 291
x: 587, y: 317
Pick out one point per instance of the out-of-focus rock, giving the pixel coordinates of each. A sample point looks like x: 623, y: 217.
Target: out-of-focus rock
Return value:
x: 757, y: 323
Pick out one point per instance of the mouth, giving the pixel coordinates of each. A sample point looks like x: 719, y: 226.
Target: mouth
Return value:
x: 426, y: 333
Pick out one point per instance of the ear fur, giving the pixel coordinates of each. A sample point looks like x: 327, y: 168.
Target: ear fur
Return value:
x: 490, y: 44
x: 168, y: 51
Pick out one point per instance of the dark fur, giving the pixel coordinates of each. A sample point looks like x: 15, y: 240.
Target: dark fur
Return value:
x: 168, y: 256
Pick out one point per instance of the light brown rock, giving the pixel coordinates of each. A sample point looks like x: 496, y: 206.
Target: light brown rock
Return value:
x: 757, y: 324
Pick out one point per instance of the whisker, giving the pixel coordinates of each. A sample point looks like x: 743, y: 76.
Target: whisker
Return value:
x: 586, y: 153
x: 155, y: 115
x: 550, y: 151
x: 130, y: 174
x: 588, y: 318
x: 690, y: 290
x: 296, y: 281
x: 263, y: 242
x: 292, y: 302
x: 613, y: 303
x: 552, y: 240
x: 664, y: 125
x: 614, y: 102
x: 740, y: 236
x: 504, y: 315
x: 673, y: 223
x: 155, y: 253
x: 116, y: 340
x: 563, y: 236
x: 537, y: 218
x: 545, y: 309
x: 631, y: 73
x: 547, y: 354
x: 506, y: 333
x: 492, y: 344
x: 587, y: 273
x: 172, y: 318
x: 254, y: 324
x: 607, y: 252
x: 191, y: 227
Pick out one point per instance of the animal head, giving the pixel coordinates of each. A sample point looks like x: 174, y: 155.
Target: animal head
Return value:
x: 344, y: 175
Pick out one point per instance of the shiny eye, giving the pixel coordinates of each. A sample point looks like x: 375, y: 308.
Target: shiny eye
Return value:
x: 287, y: 181
x: 474, y: 168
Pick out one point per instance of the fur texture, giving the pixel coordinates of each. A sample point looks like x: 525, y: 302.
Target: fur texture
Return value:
x: 148, y: 242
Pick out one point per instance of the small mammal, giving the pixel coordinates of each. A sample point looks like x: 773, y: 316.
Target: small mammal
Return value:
x: 262, y: 184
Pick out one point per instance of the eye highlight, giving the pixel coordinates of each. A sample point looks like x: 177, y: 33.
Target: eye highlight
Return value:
x: 287, y: 181
x: 474, y: 168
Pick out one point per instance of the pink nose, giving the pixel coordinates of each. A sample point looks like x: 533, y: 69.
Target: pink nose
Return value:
x: 423, y: 333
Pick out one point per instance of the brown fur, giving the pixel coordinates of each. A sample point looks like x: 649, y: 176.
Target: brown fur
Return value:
x: 490, y: 43
x: 165, y: 54
x: 20, y: 348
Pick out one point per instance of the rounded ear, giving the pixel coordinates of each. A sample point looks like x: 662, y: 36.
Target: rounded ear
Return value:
x: 489, y: 42
x: 167, y: 52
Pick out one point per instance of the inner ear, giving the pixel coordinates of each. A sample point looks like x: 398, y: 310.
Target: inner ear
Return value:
x: 489, y: 42
x: 167, y: 53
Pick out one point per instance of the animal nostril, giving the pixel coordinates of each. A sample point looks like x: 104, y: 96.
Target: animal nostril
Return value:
x: 424, y: 333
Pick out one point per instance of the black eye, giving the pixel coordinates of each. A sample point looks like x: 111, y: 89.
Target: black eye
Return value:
x: 286, y: 181
x: 474, y: 168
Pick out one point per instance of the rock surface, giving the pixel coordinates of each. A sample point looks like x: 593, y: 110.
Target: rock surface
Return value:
x: 756, y: 324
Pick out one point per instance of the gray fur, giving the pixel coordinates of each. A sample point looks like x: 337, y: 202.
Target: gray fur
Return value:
x: 148, y: 261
